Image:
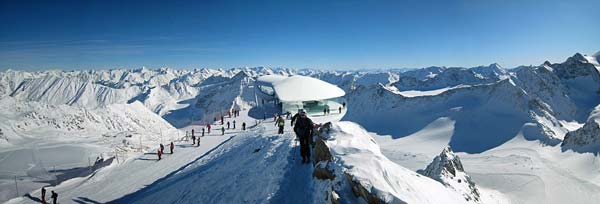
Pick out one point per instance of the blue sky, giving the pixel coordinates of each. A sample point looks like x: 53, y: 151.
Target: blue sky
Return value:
x: 297, y: 34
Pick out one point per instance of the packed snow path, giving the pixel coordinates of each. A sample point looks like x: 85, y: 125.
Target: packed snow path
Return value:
x: 255, y: 167
x: 252, y: 166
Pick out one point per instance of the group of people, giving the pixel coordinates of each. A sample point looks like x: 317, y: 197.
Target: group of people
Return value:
x: 235, y: 113
x: 53, y: 196
x: 194, y: 137
x: 326, y: 110
x: 161, y: 149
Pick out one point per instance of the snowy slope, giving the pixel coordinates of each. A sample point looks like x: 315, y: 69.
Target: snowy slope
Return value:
x: 356, y: 154
x: 38, y: 138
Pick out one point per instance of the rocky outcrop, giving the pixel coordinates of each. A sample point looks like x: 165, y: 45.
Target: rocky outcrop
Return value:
x: 586, y: 138
x: 448, y: 170
x: 360, y: 191
x: 322, y: 161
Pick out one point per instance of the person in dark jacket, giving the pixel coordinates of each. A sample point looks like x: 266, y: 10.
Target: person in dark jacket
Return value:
x: 43, y: 198
x: 202, y: 132
x: 303, y: 129
x: 222, y: 130
x: 193, y: 138
x: 54, y: 197
x: 172, y: 147
x: 340, y: 110
x: 294, y: 118
x: 243, y: 125
x: 228, y: 125
x: 162, y: 148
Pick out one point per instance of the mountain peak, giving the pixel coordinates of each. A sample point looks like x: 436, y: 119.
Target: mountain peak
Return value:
x: 547, y: 63
x: 578, y: 56
x: 447, y: 169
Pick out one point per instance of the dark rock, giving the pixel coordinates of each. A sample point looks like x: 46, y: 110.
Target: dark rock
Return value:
x: 360, y: 191
x: 322, y: 171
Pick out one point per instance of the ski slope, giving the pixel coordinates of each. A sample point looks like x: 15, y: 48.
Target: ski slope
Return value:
x: 125, y: 177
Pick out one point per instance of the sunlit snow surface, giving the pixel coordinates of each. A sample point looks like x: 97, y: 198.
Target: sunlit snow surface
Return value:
x: 507, y: 126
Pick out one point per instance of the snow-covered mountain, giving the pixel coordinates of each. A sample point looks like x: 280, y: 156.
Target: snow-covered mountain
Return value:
x: 412, y: 114
x: 487, y: 111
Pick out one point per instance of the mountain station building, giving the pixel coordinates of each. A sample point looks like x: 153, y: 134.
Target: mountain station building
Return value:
x: 291, y: 93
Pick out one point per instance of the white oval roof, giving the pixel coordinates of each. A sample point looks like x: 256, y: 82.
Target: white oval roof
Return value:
x: 270, y: 79
x: 301, y: 88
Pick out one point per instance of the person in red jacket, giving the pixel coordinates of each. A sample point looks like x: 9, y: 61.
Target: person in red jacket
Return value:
x: 208, y: 127
x: 159, y: 153
x: 172, y: 147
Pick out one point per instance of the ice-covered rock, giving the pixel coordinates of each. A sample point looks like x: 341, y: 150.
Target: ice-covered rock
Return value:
x: 447, y: 169
x: 575, y: 66
x: 586, y: 138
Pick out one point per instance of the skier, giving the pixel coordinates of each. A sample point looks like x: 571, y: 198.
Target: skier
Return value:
x: 54, y: 197
x: 340, y: 110
x: 222, y: 130
x: 234, y: 124
x: 280, y: 123
x: 162, y: 148
x: 344, y: 104
x: 208, y: 127
x: 198, y: 141
x: 325, y: 111
x: 43, y: 195
x: 193, y: 138
x: 243, y: 125
x: 303, y: 129
x: 202, y: 132
x: 228, y: 125
x: 221, y: 120
x: 159, y: 153
x: 172, y: 147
